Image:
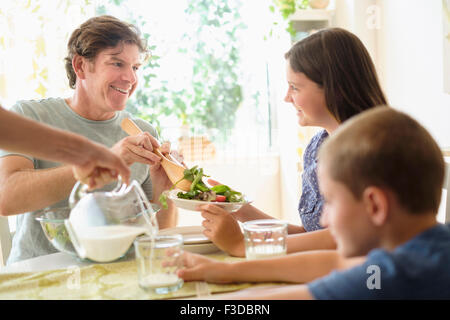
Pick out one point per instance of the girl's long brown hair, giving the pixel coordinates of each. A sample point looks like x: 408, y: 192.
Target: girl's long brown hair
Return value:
x: 339, y: 63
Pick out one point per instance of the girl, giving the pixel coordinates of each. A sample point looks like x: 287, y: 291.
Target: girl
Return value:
x: 331, y: 78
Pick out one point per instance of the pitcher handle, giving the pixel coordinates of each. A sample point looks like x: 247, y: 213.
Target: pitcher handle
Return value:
x: 79, y: 191
x: 120, y: 185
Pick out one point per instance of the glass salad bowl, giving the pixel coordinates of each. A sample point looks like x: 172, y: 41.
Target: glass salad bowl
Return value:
x: 52, y: 223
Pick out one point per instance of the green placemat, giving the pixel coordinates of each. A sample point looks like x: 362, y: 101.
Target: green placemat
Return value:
x: 99, y: 281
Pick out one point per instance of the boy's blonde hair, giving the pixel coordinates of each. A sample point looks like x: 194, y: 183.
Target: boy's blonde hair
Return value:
x: 389, y: 149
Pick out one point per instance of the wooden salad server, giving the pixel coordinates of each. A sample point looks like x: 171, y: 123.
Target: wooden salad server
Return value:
x: 174, y: 170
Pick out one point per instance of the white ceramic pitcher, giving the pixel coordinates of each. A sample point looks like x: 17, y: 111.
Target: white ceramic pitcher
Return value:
x: 103, y: 225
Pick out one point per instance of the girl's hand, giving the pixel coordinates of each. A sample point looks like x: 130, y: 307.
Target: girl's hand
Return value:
x: 223, y: 229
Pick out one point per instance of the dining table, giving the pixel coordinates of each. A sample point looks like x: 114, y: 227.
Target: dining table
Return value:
x: 62, y: 276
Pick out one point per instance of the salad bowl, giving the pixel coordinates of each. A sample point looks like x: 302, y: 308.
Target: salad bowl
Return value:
x: 192, y: 205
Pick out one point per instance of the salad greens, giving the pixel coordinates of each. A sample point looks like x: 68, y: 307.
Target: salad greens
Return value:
x: 58, y: 236
x: 199, y: 191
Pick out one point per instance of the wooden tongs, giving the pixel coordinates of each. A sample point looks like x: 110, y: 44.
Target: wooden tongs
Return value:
x: 174, y: 170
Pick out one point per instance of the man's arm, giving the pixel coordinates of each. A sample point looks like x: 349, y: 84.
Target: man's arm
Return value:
x: 23, y: 189
x: 23, y: 135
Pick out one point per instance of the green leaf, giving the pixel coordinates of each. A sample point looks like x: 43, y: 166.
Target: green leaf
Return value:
x: 220, y: 189
x: 163, y: 200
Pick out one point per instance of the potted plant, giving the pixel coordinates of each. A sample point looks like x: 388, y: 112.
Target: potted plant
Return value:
x: 288, y: 7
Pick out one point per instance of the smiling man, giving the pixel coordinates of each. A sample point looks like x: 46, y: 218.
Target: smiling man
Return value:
x: 104, y: 55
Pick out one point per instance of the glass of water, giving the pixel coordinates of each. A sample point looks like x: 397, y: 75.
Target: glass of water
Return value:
x: 265, y: 238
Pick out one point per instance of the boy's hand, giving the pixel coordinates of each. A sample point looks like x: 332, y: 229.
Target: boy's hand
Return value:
x: 200, y: 268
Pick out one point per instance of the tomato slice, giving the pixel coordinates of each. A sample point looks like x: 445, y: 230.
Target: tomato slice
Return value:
x: 220, y: 198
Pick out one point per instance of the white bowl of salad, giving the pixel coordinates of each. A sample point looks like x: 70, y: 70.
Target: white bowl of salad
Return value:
x: 200, y: 194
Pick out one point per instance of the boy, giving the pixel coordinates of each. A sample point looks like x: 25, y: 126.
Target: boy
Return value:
x: 381, y: 176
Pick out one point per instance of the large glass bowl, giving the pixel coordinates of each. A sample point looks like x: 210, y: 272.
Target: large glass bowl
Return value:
x: 52, y: 222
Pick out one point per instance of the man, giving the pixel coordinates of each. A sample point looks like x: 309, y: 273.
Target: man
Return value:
x: 90, y: 160
x: 104, y: 55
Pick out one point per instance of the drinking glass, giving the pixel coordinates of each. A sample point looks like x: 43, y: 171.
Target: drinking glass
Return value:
x: 158, y: 259
x: 265, y: 238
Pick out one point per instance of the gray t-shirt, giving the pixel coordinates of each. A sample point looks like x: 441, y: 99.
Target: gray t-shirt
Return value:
x: 29, y: 240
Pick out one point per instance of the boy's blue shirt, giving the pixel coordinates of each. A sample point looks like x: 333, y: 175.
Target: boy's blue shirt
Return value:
x: 418, y: 269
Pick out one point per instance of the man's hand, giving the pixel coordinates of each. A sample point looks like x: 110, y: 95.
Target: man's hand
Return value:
x: 138, y: 148
x: 159, y: 176
x: 167, y: 218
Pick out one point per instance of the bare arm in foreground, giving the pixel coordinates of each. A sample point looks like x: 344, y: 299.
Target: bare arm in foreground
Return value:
x: 91, y: 160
